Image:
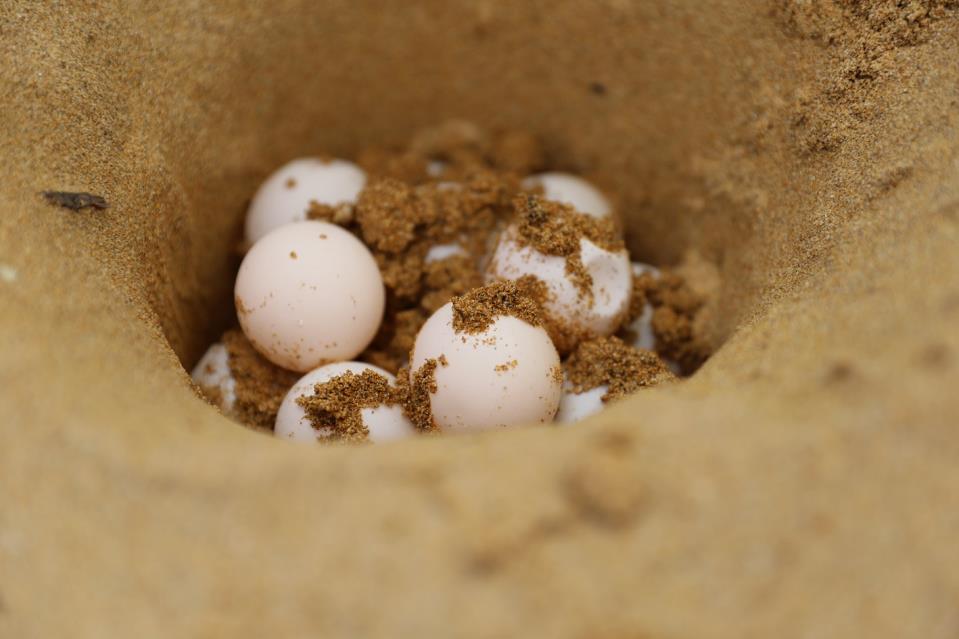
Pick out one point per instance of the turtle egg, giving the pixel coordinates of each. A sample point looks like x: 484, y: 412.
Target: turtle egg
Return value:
x: 572, y: 190
x: 309, y: 293
x: 505, y: 375
x: 285, y: 196
x: 213, y: 372
x: 574, y: 407
x: 576, y: 313
x: 385, y: 423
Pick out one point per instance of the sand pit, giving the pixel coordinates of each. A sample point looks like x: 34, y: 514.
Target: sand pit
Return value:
x: 801, y: 483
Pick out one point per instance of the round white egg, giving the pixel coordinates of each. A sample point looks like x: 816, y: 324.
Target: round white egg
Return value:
x: 213, y: 371
x: 503, y: 376
x: 574, y: 407
x: 286, y: 194
x: 597, y: 315
x: 572, y: 190
x: 309, y: 293
x: 385, y: 423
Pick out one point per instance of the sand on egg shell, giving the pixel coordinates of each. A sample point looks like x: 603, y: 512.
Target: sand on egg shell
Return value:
x: 473, y: 389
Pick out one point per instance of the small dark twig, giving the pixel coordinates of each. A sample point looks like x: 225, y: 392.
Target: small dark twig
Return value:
x: 75, y: 201
x: 598, y: 88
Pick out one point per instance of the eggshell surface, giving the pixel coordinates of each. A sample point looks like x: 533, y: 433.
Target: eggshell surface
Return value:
x: 441, y: 252
x: 574, y: 407
x: 593, y: 315
x: 213, y: 371
x: 506, y: 375
x: 285, y: 196
x: 572, y: 190
x: 309, y: 293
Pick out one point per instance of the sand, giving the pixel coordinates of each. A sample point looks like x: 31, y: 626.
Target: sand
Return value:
x: 801, y: 483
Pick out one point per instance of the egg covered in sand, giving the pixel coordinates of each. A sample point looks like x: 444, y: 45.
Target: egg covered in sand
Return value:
x: 581, y: 264
x: 603, y: 370
x: 309, y: 293
x: 484, y: 361
x: 369, y: 398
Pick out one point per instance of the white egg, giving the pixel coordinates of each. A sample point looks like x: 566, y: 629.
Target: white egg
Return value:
x: 574, y: 407
x: 443, y: 251
x: 285, y: 196
x: 309, y: 293
x: 505, y: 375
x: 642, y: 326
x: 572, y: 190
x: 385, y: 423
x: 579, y: 313
x: 213, y: 372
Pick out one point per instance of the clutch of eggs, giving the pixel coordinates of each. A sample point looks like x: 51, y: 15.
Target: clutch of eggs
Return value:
x: 309, y: 293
